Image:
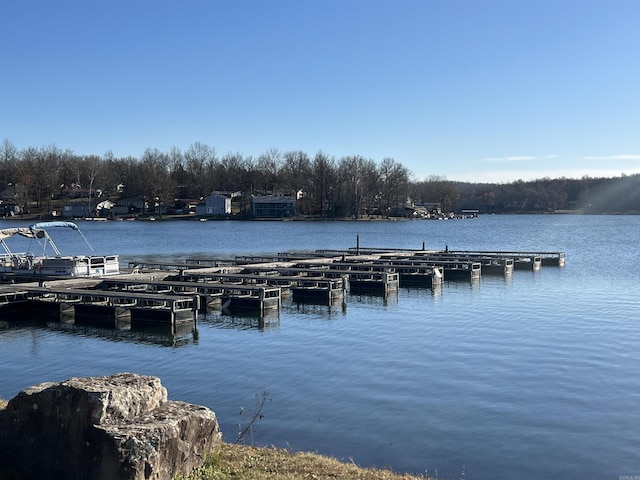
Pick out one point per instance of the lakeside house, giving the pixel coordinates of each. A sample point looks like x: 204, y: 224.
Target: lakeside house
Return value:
x: 76, y: 210
x: 271, y: 206
x: 215, y: 204
x: 131, y: 205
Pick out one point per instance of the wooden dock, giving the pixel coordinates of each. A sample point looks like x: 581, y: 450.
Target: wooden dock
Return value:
x: 487, y: 265
x: 435, y: 270
x: 362, y: 277
x: 530, y: 260
x: 237, y: 296
x: 527, y: 260
x: 108, y: 307
x: 319, y: 291
x: 322, y: 289
x: 170, y: 293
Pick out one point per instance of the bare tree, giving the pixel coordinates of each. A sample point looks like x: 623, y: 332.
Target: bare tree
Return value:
x: 323, y: 181
x: 8, y: 163
x: 437, y: 190
x: 37, y: 175
x: 26, y: 176
x: 360, y: 180
x: 237, y: 173
x: 268, y: 167
x: 394, y: 180
x: 199, y: 161
x: 111, y: 182
x: 295, y: 172
x: 93, y: 168
x: 160, y: 188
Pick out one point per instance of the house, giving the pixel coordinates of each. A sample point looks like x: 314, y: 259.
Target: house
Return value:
x: 10, y: 209
x: 130, y: 205
x: 214, y: 205
x: 183, y: 206
x: 273, y: 207
x: 75, y: 210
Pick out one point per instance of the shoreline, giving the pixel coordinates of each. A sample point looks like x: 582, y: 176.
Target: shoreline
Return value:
x: 229, y: 461
x: 194, y: 218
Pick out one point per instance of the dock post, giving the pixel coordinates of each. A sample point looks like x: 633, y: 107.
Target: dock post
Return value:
x: 262, y: 295
x: 196, y: 309
x: 358, y: 244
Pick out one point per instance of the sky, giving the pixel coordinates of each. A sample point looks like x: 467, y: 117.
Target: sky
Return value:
x: 468, y: 90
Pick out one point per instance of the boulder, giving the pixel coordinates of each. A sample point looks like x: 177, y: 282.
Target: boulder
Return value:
x: 119, y: 427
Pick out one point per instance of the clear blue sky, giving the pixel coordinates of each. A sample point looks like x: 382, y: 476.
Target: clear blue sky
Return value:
x: 477, y: 90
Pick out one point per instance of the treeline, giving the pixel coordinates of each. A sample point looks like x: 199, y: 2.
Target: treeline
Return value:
x: 350, y: 186
x: 587, y: 194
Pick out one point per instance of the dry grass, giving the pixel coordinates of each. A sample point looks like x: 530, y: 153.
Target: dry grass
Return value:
x: 239, y: 462
x: 249, y: 463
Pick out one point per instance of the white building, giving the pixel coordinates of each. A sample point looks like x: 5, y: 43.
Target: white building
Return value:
x: 214, y: 205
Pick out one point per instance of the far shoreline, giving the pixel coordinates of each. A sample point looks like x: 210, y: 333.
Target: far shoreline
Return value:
x: 190, y: 217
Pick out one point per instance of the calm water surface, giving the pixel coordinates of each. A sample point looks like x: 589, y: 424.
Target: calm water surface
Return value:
x: 536, y: 375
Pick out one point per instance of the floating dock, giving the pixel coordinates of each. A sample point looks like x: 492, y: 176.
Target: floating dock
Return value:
x: 226, y: 295
x: 523, y: 260
x: 166, y: 293
x: 107, y: 307
x: 319, y: 291
x: 322, y: 289
x: 362, y: 277
x: 458, y: 265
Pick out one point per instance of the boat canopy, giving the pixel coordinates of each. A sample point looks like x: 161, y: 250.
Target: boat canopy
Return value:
x: 45, y: 225
x: 28, y: 232
x: 38, y: 231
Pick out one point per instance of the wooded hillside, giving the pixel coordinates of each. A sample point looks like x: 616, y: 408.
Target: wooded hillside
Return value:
x: 350, y: 186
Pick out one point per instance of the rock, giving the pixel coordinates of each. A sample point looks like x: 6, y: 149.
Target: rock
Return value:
x: 120, y: 427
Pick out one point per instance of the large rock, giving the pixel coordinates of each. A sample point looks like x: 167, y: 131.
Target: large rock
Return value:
x: 119, y: 427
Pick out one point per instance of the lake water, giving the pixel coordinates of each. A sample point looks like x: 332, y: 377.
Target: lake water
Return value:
x: 536, y: 375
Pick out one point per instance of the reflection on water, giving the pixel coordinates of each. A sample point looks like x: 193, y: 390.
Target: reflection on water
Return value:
x: 390, y: 298
x: 433, y: 291
x: 120, y: 328
x: 330, y: 311
x: 246, y: 320
x: 179, y: 335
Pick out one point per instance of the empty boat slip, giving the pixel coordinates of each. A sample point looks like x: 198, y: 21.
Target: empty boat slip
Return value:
x: 139, y: 307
